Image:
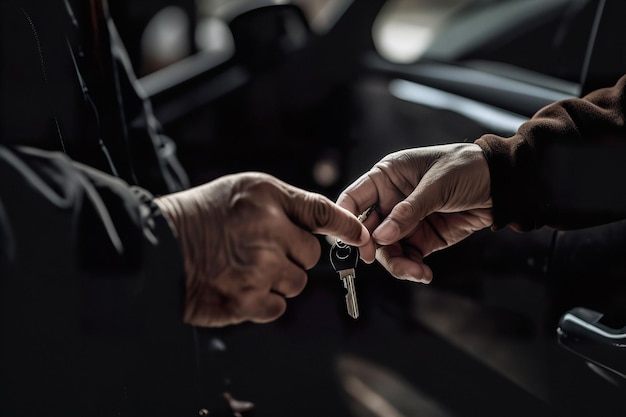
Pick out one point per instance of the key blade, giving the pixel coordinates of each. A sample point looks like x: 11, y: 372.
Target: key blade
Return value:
x: 351, y: 302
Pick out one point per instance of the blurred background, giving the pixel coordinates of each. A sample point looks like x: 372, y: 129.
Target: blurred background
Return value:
x: 317, y: 91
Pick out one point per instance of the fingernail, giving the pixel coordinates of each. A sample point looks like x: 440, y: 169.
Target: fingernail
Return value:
x: 386, y: 233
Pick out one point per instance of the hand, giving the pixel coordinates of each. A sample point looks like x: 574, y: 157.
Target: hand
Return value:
x: 427, y: 199
x: 247, y: 240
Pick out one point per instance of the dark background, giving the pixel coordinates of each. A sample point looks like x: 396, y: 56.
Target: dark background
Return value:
x: 303, y: 90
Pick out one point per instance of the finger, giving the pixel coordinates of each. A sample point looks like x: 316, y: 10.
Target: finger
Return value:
x: 393, y: 260
x: 300, y: 246
x: 290, y: 280
x: 266, y: 303
x: 264, y: 308
x: 406, y: 215
x: 368, y: 252
x: 360, y: 195
x: 318, y: 214
x: 439, y: 231
x: 373, y: 218
x: 399, y: 223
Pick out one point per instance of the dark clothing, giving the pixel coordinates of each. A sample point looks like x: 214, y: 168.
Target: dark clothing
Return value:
x: 67, y: 86
x: 565, y: 167
x: 91, y: 273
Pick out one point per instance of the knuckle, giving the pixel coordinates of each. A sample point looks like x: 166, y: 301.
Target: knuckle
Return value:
x: 405, y: 211
x: 392, y: 160
x: 306, y: 251
x: 295, y: 284
x: 327, y: 215
x: 319, y: 209
x: 252, y: 208
x: 380, y: 169
x: 312, y: 253
x: 242, y: 207
x: 270, y: 310
x: 354, y: 233
x: 262, y: 187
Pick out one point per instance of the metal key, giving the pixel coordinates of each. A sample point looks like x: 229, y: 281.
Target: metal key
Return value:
x: 344, y: 259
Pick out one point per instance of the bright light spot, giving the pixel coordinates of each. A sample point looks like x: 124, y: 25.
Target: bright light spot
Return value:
x: 326, y: 172
x: 213, y: 35
x: 165, y: 39
x: 403, y: 42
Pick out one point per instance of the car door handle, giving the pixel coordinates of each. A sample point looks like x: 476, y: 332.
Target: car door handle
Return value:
x: 582, y: 332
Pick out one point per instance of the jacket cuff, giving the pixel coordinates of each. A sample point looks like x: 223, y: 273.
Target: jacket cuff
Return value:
x: 515, y: 189
x: 162, y: 288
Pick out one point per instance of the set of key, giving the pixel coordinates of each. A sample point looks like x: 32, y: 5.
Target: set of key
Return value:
x: 344, y: 259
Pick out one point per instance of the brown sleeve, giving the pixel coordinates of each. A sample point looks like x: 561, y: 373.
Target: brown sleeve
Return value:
x: 564, y: 167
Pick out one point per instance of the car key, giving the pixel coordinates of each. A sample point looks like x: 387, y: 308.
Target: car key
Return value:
x: 344, y: 259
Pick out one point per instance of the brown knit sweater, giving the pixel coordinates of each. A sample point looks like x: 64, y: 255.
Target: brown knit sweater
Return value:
x: 565, y: 167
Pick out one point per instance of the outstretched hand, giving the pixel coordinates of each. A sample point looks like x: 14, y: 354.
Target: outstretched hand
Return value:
x: 427, y: 199
x: 247, y: 241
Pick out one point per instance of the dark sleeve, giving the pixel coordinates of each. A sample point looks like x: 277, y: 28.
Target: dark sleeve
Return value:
x: 91, y: 281
x: 62, y: 221
x: 565, y: 167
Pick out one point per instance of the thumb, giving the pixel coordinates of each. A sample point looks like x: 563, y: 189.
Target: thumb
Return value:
x: 397, y: 224
x: 406, y: 215
x: 320, y: 215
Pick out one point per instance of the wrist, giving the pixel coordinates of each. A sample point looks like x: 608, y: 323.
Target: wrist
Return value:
x: 180, y: 218
x: 184, y: 213
x: 170, y: 211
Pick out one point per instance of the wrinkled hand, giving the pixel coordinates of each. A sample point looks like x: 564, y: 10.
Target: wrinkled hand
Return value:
x: 427, y: 199
x: 247, y: 240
